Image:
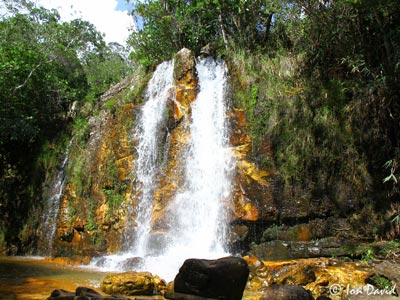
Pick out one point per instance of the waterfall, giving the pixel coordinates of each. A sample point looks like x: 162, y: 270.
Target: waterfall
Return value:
x: 53, y: 206
x: 196, y: 215
x: 198, y: 221
x: 147, y: 133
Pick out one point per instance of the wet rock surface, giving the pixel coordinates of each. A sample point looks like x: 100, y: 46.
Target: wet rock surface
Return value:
x: 81, y: 293
x: 224, y: 278
x: 133, y: 283
x: 325, y: 247
x: 31, y: 279
x: 286, y: 292
x: 324, y: 278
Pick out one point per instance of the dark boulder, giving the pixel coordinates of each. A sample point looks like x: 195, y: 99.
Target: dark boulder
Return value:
x: 61, y: 294
x: 87, y: 292
x: 82, y: 293
x: 223, y: 278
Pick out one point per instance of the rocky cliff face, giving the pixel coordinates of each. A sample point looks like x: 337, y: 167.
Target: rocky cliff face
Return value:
x: 100, y: 178
x: 100, y: 181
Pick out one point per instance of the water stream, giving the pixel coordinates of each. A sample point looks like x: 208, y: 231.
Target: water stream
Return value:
x: 196, y: 215
x: 147, y: 133
x: 198, y: 221
x: 53, y: 206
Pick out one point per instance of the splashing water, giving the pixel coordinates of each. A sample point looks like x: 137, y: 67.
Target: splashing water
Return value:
x: 198, y: 221
x: 148, y: 135
x: 196, y: 214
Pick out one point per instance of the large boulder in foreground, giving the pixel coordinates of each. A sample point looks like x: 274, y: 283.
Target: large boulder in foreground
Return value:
x: 223, y: 278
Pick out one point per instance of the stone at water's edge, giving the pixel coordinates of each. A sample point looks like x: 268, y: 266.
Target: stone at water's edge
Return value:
x: 82, y: 293
x: 133, y: 283
x: 286, y: 292
x: 223, y: 278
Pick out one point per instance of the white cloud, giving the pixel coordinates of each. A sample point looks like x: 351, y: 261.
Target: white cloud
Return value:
x: 101, y: 13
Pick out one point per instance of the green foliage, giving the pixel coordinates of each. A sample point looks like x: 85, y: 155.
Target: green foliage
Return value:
x: 41, y: 72
x: 91, y: 224
x: 380, y: 282
x: 115, y: 188
x: 114, y: 196
x: 368, y: 255
x: 110, y: 104
x: 393, y: 176
x: 106, y: 67
x: 80, y: 131
x: 305, y: 122
x: 166, y: 26
x: 71, y: 210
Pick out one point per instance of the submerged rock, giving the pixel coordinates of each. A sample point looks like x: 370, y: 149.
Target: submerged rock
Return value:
x: 223, y: 278
x: 133, y: 283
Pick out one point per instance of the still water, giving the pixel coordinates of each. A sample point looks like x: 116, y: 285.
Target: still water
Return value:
x: 35, y: 279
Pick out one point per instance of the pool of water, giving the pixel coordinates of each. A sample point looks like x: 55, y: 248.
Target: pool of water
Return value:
x: 35, y: 278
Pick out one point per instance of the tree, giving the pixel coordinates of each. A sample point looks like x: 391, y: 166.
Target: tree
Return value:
x: 45, y: 66
x: 166, y: 26
x: 106, y: 67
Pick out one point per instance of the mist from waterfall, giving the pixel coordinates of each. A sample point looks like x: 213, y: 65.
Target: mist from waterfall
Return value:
x: 197, y: 220
x: 147, y: 134
x: 196, y: 215
x: 198, y: 223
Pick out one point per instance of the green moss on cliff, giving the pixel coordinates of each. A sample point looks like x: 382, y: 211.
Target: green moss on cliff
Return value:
x: 303, y: 127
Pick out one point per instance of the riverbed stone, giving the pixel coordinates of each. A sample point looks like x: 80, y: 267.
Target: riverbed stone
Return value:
x: 391, y: 271
x: 223, y: 278
x: 133, y: 283
x: 286, y: 292
x: 82, y: 293
x: 61, y: 294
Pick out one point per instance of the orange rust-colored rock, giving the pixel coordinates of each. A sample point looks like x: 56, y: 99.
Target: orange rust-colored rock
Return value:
x: 252, y: 195
x: 179, y: 137
x: 316, y: 275
x: 133, y: 283
x: 304, y: 233
x: 88, y: 222
x: 100, y: 190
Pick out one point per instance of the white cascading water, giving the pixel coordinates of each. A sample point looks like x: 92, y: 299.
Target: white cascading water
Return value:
x: 198, y: 221
x: 148, y: 135
x: 197, y: 215
x: 53, y: 206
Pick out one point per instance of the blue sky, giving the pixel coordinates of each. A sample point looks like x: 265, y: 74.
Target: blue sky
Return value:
x: 109, y: 16
x: 123, y: 6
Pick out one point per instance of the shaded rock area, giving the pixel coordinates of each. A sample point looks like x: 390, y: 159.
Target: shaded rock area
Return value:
x: 133, y: 283
x: 286, y: 292
x: 387, y: 272
x: 325, y: 247
x: 81, y: 293
x: 92, y: 214
x: 224, y: 278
